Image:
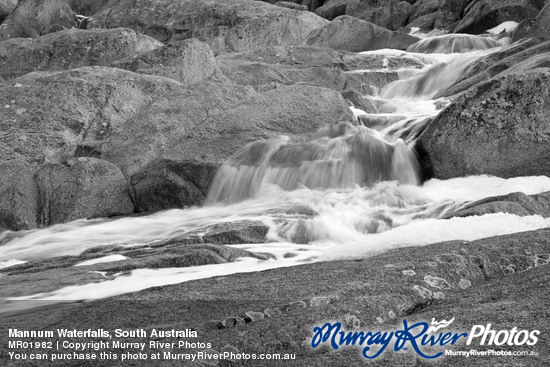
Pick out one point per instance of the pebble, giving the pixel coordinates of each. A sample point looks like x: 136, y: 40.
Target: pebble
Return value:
x: 252, y: 316
x: 230, y: 322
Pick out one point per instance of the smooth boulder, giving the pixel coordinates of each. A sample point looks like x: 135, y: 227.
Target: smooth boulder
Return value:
x: 189, y: 62
x: 538, y: 27
x: 482, y: 15
x: 70, y: 49
x: 226, y: 25
x: 355, y: 35
x: 499, y: 127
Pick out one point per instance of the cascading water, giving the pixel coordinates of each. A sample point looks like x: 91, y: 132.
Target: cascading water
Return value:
x: 358, y: 182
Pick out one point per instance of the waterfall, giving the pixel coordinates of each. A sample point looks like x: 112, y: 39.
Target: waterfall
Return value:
x: 358, y: 182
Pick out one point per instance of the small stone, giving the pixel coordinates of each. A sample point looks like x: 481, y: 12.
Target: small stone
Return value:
x: 295, y: 305
x: 20, y: 111
x: 439, y: 296
x: 464, y: 284
x: 18, y: 85
x: 389, y: 266
x: 252, y: 316
x: 379, y: 320
x: 12, y: 101
x: 392, y: 315
x: 273, y: 311
x: 409, y: 272
x: 7, y: 106
x: 230, y: 322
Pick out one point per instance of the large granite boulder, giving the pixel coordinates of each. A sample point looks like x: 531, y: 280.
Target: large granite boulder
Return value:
x: 513, y: 56
x: 351, y: 34
x: 332, y: 9
x: 538, y: 27
x: 32, y: 18
x: 482, y: 15
x: 70, y: 49
x: 188, y: 61
x: 6, y: 7
x: 226, y: 25
x: 389, y: 14
x: 498, y: 127
x: 18, y: 196
x: 81, y: 188
x: 87, y: 7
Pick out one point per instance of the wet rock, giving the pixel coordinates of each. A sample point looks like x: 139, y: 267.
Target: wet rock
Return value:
x: 482, y: 15
x: 498, y: 127
x: 70, y: 49
x: 166, y: 184
x: 516, y: 203
x: 495, y: 63
x: 230, y: 25
x: 81, y: 188
x: 538, y: 27
x: 360, y: 101
x: 228, y: 233
x: 188, y: 61
x: 352, y: 34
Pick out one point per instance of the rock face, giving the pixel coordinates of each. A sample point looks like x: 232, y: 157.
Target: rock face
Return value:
x: 352, y: 34
x: 81, y: 188
x: 6, y: 7
x: 70, y: 49
x: 498, y: 127
x: 538, y: 27
x: 54, y: 116
x: 332, y: 9
x: 18, y: 197
x: 31, y: 18
x: 226, y: 25
x: 189, y: 62
x: 87, y: 7
x: 485, y: 14
x: 516, y: 203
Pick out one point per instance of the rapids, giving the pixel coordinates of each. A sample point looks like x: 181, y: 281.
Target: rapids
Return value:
x: 360, y: 178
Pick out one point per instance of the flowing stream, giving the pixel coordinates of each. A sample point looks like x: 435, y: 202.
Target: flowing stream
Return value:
x: 353, y: 191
